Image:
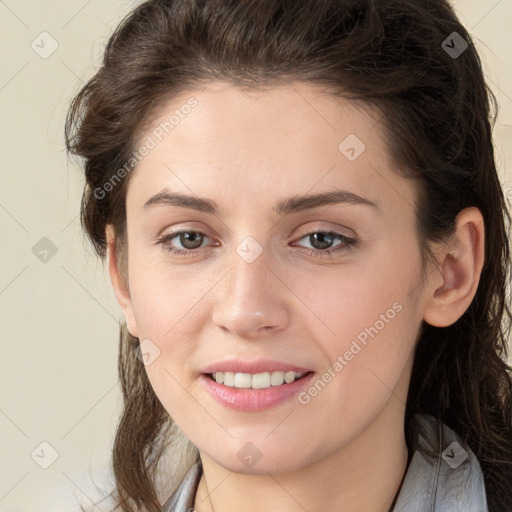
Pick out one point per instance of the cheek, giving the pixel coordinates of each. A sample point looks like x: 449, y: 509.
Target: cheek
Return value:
x: 170, y: 308
x: 347, y: 300
x: 366, y: 324
x: 366, y: 366
x: 165, y: 296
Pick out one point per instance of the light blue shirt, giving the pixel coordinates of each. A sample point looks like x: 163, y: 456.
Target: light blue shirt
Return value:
x: 452, y: 483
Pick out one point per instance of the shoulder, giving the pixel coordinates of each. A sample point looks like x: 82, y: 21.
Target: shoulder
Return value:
x: 182, y: 499
x: 451, y: 481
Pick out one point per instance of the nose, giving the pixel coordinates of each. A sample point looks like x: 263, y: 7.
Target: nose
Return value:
x: 251, y: 301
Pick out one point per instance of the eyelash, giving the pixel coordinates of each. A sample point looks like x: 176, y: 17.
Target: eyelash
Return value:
x: 347, y: 245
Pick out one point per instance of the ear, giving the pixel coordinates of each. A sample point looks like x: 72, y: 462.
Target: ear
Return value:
x: 119, y: 284
x: 461, y: 265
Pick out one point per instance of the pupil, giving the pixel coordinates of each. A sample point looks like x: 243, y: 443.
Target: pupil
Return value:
x: 190, y: 236
x: 322, y: 239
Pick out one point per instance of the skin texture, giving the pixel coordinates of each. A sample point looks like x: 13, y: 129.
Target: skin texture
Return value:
x: 345, y: 449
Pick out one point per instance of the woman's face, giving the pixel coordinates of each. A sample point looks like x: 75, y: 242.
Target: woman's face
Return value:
x: 255, y: 281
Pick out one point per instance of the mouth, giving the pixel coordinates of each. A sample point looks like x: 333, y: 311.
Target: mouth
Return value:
x: 262, y: 380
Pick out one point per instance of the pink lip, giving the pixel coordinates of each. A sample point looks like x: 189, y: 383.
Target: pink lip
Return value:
x: 252, y: 400
x: 259, y: 366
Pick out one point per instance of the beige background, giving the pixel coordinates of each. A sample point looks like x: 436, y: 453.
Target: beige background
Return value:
x: 58, y: 377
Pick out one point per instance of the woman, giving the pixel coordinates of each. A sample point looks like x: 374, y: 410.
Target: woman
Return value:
x: 308, y: 239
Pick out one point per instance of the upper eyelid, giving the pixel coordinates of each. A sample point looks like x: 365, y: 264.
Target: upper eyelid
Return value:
x: 342, y: 230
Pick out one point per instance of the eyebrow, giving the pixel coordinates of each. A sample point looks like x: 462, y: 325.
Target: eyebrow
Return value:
x: 292, y: 204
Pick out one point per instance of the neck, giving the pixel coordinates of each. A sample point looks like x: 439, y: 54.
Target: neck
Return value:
x: 365, y: 474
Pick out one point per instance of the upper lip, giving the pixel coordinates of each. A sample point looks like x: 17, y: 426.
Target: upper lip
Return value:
x: 258, y: 366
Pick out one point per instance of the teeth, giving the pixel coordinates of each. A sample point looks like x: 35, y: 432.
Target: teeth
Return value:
x: 256, y: 381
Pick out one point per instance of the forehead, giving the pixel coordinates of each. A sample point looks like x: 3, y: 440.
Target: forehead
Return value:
x: 299, y: 109
x: 288, y: 138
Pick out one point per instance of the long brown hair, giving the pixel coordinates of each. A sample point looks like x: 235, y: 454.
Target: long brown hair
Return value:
x: 438, y: 115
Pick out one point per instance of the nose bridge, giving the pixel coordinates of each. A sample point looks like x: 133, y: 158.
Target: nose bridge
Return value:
x: 249, y: 300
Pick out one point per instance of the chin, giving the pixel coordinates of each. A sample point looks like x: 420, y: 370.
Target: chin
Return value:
x: 250, y: 460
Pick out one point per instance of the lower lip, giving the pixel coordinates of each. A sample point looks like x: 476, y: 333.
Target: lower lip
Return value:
x: 246, y: 399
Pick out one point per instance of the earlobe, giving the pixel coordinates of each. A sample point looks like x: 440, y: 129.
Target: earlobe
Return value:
x: 121, y: 289
x: 460, y: 269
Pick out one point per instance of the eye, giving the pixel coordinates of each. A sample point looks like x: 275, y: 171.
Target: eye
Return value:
x: 191, y: 241
x: 321, y: 240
